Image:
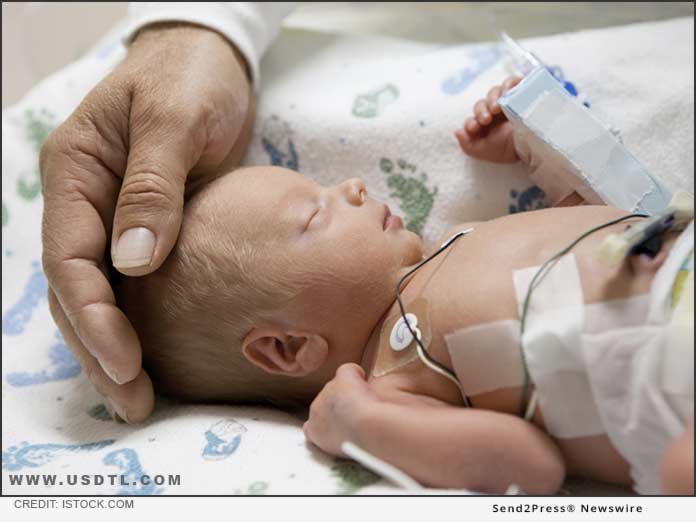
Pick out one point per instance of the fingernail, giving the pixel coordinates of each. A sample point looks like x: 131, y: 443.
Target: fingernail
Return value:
x: 111, y: 373
x: 134, y: 248
x: 117, y: 413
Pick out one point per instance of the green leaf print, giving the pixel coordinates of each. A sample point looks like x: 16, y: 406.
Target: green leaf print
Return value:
x: 352, y: 476
x: 373, y: 103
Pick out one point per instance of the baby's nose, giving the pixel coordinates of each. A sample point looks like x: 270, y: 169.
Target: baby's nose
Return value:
x: 354, y: 190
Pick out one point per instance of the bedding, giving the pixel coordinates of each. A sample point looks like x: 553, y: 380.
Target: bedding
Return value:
x: 331, y: 107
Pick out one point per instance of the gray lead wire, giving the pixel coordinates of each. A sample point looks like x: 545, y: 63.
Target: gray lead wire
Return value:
x: 420, y: 349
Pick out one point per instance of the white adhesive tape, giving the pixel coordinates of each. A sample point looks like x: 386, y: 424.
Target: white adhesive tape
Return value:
x: 552, y: 346
x: 487, y: 346
x: 568, y: 143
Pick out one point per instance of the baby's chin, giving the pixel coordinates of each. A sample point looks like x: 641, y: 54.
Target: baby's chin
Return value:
x: 413, y: 249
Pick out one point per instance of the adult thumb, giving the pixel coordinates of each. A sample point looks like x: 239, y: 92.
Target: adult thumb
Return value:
x: 150, y: 204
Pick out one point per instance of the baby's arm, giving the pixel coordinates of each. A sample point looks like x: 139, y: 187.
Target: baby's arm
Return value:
x: 453, y: 447
x: 488, y: 135
x: 439, y: 446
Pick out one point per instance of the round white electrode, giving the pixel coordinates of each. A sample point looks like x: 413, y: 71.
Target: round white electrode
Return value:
x: 400, y: 337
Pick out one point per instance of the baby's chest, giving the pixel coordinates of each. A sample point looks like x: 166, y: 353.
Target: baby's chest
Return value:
x: 468, y: 293
x: 475, y: 331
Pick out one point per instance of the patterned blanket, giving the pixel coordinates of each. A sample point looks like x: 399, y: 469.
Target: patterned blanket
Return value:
x: 330, y: 107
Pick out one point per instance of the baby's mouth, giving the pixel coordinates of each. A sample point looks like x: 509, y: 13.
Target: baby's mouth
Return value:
x: 390, y: 219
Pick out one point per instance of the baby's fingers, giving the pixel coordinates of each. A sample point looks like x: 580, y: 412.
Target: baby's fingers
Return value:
x: 482, y: 114
x: 467, y: 139
x: 510, y: 82
x: 492, y: 99
x: 496, y: 92
x: 472, y: 126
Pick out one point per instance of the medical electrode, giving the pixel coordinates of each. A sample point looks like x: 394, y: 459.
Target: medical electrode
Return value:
x: 409, y: 320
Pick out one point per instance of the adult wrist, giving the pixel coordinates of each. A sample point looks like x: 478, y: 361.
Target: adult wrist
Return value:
x: 164, y: 33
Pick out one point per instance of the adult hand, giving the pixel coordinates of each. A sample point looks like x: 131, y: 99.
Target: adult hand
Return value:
x: 176, y: 112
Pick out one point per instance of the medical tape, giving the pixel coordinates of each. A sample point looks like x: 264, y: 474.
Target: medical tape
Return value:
x: 552, y: 345
x: 554, y: 313
x: 476, y: 350
x: 581, y: 151
x: 569, y: 349
x: 387, y: 359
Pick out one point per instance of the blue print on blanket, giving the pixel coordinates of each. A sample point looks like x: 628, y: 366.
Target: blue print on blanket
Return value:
x: 62, y: 366
x: 35, y: 455
x: 132, y: 474
x: 557, y: 73
x: 277, y: 142
x: 478, y: 60
x: 532, y: 198
x: 222, y: 439
x: 16, y: 318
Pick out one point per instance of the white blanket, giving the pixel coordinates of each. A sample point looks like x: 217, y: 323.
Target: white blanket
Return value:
x: 332, y: 107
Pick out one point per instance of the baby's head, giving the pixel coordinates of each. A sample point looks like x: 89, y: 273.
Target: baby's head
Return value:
x: 275, y: 281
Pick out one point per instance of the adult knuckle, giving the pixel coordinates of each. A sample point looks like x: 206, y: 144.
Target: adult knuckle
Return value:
x: 50, y: 148
x: 156, y: 112
x: 147, y: 190
x: 81, y: 317
x: 54, y: 307
x: 171, y: 115
x: 49, y: 264
x: 74, y: 185
x: 63, y: 167
x: 53, y: 255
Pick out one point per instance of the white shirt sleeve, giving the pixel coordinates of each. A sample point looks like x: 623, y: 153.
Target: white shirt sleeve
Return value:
x: 251, y: 26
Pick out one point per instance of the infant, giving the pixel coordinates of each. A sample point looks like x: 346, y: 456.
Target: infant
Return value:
x: 282, y: 291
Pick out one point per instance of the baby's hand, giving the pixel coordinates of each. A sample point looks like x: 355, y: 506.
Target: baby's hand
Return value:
x: 333, y: 415
x: 488, y: 134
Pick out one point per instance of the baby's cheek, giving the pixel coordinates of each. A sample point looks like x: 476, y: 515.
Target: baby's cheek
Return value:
x: 358, y: 257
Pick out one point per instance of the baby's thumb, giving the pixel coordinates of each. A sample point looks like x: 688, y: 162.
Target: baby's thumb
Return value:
x: 149, y: 208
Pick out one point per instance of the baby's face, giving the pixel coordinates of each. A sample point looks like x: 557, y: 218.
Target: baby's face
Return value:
x: 345, y: 247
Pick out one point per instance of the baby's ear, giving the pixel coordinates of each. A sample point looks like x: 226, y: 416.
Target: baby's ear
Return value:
x: 294, y: 354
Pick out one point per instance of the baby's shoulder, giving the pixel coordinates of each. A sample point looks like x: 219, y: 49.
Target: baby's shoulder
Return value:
x: 450, y: 232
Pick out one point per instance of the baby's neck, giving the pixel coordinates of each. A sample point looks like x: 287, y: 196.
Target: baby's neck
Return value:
x: 410, y: 378
x: 373, y: 343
